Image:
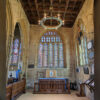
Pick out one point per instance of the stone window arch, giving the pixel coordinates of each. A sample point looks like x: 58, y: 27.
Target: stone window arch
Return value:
x: 16, y: 49
x: 81, y: 45
x: 50, y: 51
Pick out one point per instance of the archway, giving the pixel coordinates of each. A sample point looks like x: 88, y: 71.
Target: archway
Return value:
x: 3, y: 50
x: 15, y: 66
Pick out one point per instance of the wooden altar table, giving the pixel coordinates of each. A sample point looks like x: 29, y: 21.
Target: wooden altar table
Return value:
x: 53, y: 85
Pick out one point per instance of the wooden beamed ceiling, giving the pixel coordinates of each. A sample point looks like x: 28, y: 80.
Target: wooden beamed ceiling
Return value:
x: 68, y: 10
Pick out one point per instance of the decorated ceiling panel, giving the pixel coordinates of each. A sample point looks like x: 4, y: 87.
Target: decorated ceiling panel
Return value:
x: 67, y: 10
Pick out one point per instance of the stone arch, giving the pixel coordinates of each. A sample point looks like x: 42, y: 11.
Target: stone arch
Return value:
x: 17, y: 35
x: 9, y: 34
x: 17, y: 30
x: 18, y: 25
x: 9, y: 18
x: 24, y: 40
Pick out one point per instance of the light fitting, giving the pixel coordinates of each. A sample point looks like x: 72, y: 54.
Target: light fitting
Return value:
x: 60, y: 21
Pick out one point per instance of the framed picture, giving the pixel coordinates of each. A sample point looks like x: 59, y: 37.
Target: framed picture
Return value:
x: 86, y: 70
x: 90, y: 44
x: 51, y: 73
x: 77, y: 69
x: 91, y: 55
x: 31, y: 66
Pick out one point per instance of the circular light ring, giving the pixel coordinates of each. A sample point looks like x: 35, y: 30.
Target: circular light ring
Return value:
x: 51, y: 27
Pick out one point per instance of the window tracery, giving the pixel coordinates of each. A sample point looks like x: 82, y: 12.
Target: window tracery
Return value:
x: 50, y: 51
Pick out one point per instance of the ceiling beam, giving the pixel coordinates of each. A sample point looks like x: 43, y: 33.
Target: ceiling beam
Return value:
x: 29, y: 3
x: 68, y: 9
x: 37, y: 8
x: 55, y: 10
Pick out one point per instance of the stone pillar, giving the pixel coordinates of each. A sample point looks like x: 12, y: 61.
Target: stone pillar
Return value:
x: 2, y: 49
x: 97, y: 49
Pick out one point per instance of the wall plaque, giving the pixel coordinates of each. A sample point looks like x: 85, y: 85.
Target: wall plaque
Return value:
x: 91, y: 55
x: 31, y: 66
x: 51, y: 73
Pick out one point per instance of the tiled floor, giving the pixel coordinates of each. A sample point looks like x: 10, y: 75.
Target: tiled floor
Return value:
x: 30, y: 96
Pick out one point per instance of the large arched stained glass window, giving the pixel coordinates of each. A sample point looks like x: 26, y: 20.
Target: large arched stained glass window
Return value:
x: 83, y: 51
x: 50, y: 51
x: 81, y: 45
x: 15, y: 52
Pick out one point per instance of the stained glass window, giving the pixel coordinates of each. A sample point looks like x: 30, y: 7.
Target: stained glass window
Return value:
x: 11, y: 58
x: 15, y: 52
x: 50, y: 55
x: 83, y: 51
x: 86, y: 56
x: 60, y: 55
x: 20, y: 52
x: 55, y: 55
x: 45, y: 54
x: 51, y: 51
x: 77, y: 55
x: 40, y: 55
x: 80, y: 53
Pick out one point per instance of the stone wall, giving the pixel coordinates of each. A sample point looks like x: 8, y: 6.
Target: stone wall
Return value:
x: 16, y: 14
x: 66, y: 34
x: 31, y: 34
x: 86, y: 15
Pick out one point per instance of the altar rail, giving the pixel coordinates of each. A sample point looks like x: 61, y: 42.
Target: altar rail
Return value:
x: 15, y: 89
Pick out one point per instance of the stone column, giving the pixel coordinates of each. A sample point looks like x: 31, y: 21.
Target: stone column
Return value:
x: 2, y: 49
x: 97, y: 49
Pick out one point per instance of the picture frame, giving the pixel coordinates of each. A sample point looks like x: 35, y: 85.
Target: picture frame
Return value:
x: 86, y: 70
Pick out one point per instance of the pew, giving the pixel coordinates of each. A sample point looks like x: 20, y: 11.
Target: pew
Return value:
x: 15, y: 89
x: 8, y: 92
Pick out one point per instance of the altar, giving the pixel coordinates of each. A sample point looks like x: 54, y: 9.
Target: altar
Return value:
x: 53, y: 85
